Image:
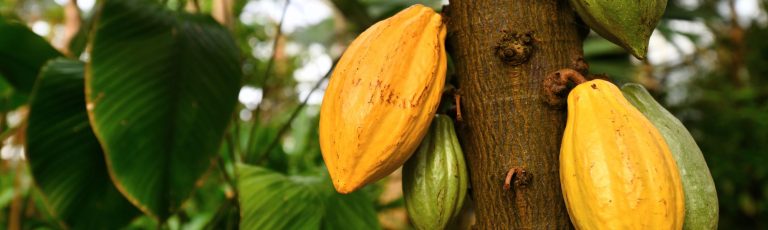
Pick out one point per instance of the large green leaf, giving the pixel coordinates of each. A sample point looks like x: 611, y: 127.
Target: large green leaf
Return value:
x: 160, y: 88
x: 270, y: 200
x: 22, y: 53
x: 353, y: 211
x: 64, y: 156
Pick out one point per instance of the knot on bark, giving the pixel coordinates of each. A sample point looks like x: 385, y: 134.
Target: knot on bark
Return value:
x: 517, y: 176
x: 556, y: 83
x: 515, y: 48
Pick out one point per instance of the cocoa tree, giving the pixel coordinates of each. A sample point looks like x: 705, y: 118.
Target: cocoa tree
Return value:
x: 503, y: 50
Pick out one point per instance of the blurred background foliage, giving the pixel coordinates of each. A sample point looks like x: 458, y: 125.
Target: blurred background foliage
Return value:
x: 707, y: 62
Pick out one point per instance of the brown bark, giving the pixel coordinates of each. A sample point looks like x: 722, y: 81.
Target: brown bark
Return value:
x: 503, y: 50
x: 222, y: 12
x: 71, y: 24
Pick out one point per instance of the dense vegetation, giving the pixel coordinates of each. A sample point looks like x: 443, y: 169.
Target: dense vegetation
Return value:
x: 707, y: 63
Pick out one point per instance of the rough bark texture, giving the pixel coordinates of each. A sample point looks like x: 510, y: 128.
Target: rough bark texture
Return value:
x: 506, y: 122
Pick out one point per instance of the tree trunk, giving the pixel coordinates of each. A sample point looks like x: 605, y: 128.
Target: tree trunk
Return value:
x: 222, y: 12
x: 502, y: 51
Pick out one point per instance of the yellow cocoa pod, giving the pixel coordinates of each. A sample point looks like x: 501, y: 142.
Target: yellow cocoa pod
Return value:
x: 382, y: 97
x: 616, y: 170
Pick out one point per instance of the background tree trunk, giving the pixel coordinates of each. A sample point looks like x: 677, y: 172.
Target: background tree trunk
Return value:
x: 506, y: 122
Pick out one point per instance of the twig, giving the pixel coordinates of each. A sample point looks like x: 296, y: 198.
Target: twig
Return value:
x: 196, y: 4
x: 294, y: 114
x: 72, y: 25
x: 267, y: 71
x: 278, y: 34
x: 222, y: 12
x: 521, y: 178
x: 226, y: 176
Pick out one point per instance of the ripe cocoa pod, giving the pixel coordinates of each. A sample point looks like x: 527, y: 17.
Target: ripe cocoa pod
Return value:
x: 616, y: 170
x: 626, y: 23
x: 701, y: 205
x: 435, y: 178
x: 382, y: 96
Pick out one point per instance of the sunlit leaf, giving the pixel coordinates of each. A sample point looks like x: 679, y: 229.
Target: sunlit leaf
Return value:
x: 353, y: 211
x: 271, y: 200
x: 22, y: 53
x: 64, y: 156
x: 160, y: 90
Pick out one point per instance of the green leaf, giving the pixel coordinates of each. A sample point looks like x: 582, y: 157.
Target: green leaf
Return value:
x: 160, y: 91
x: 353, y: 211
x: 64, y: 156
x: 270, y: 200
x: 22, y: 53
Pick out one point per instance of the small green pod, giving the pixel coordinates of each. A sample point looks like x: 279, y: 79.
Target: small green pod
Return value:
x: 435, y: 178
x: 701, y: 205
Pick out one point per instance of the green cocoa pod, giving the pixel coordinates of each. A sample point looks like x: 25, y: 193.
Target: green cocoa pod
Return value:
x: 628, y: 23
x: 435, y: 178
x: 701, y: 206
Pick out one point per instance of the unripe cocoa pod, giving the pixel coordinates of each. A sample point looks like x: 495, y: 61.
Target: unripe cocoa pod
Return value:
x: 627, y: 23
x: 701, y: 205
x: 435, y: 178
x: 616, y: 170
x: 382, y: 96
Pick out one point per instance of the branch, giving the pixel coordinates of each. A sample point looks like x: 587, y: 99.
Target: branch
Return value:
x: 196, y: 5
x: 71, y: 25
x: 294, y: 114
x: 222, y: 12
x: 270, y: 64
